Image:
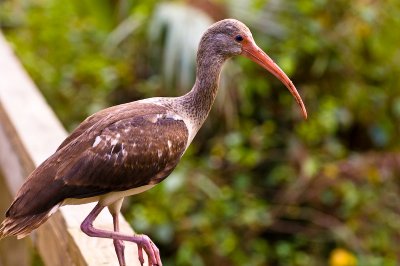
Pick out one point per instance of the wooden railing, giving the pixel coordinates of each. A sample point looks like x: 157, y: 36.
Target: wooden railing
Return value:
x: 29, y: 133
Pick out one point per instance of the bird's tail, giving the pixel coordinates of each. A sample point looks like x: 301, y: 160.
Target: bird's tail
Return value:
x: 23, y: 226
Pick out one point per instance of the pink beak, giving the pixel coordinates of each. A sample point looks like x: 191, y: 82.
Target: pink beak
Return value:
x: 253, y: 52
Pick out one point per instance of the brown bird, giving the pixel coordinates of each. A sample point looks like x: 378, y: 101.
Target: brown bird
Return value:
x: 130, y: 148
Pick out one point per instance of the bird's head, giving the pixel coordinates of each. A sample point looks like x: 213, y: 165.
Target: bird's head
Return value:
x: 230, y: 37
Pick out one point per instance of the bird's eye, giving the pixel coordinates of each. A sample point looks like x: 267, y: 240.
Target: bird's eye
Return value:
x: 239, y: 38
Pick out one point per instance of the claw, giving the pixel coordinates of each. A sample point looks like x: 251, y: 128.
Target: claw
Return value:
x: 151, y: 250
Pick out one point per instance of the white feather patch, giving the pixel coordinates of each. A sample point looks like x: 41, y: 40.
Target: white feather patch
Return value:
x: 96, y: 141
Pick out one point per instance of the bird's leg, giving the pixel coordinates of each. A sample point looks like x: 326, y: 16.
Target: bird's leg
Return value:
x: 118, y: 244
x: 143, y: 241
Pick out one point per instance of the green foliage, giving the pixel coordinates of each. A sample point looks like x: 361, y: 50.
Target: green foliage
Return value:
x: 258, y: 186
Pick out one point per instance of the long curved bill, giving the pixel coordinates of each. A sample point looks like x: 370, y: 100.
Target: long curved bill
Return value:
x: 253, y: 52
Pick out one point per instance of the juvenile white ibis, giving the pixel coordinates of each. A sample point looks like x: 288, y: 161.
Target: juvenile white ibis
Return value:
x: 129, y: 148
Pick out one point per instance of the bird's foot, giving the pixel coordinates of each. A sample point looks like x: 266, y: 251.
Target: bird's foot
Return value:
x: 143, y: 241
x: 151, y: 250
x: 119, y: 249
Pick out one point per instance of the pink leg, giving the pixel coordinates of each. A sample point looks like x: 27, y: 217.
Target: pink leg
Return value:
x: 143, y: 241
x: 118, y: 244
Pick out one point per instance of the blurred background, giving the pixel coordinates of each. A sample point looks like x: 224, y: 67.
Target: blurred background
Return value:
x: 259, y: 185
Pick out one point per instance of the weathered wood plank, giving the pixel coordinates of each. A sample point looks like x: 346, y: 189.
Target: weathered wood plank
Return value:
x: 29, y: 133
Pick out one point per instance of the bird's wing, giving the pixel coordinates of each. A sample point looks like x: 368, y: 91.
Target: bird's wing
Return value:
x: 130, y: 153
x: 110, y: 114
x: 123, y: 149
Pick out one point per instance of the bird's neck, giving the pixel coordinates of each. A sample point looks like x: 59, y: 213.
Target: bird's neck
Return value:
x: 197, y: 103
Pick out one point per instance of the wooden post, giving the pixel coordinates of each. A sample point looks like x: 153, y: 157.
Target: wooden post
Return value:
x: 29, y: 133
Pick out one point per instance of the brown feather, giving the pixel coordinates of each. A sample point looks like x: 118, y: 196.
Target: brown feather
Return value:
x: 22, y: 226
x: 137, y: 144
